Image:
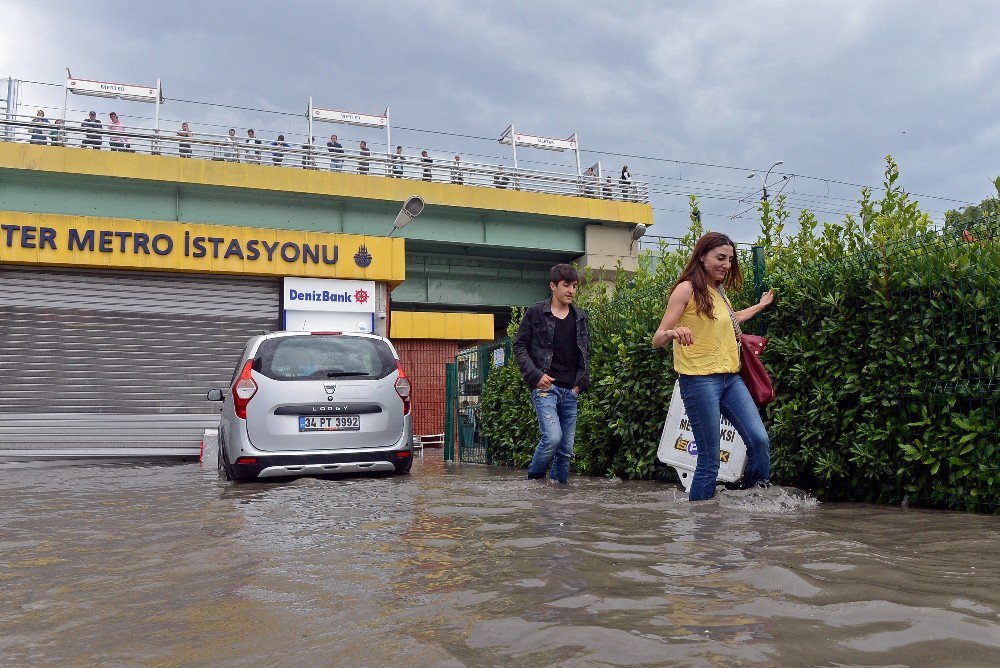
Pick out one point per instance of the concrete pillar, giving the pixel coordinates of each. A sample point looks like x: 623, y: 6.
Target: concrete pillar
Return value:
x: 606, y: 245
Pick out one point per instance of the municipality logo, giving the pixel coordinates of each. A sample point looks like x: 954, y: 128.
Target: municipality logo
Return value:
x: 363, y: 258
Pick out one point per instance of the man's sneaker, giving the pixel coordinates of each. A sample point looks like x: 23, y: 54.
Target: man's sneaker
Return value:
x: 763, y: 484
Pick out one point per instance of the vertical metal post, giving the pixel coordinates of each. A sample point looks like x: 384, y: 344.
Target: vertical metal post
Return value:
x: 65, y: 98
x: 576, y: 143
x: 513, y: 145
x: 10, y: 112
x: 388, y: 142
x: 758, y: 282
x: 450, y: 399
x: 156, y: 127
x: 309, y: 141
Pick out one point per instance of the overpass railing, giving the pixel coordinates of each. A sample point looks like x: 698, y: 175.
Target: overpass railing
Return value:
x: 261, y: 151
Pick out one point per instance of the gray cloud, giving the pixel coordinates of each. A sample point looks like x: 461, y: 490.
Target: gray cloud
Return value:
x: 828, y: 87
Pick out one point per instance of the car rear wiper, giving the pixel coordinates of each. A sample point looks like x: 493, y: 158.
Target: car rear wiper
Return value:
x: 337, y: 374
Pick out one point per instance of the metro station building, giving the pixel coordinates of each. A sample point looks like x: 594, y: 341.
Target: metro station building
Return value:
x: 130, y: 282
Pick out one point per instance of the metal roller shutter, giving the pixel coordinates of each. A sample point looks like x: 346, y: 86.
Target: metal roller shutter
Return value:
x: 109, y: 363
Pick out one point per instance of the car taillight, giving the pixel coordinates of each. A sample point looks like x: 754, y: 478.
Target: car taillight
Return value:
x: 243, y: 390
x: 403, y: 387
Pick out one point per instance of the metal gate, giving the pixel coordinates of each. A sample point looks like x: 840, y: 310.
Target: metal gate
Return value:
x: 466, y: 377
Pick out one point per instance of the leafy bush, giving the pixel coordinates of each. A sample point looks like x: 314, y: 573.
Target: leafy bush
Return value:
x: 885, y: 351
x: 878, y: 395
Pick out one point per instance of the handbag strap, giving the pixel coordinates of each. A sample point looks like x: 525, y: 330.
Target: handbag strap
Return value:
x: 732, y: 316
x: 736, y: 325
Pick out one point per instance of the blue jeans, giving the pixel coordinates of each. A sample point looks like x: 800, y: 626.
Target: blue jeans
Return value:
x: 556, y: 411
x: 706, y: 399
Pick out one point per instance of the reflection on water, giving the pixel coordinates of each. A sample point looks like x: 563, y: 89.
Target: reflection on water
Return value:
x: 170, y: 565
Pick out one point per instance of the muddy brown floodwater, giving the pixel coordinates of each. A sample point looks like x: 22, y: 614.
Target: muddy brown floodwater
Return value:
x: 168, y: 565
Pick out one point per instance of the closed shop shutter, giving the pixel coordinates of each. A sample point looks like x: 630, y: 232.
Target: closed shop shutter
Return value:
x: 110, y: 363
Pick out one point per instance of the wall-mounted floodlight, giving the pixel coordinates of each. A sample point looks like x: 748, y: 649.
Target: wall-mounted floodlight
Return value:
x: 638, y: 231
x: 412, y: 208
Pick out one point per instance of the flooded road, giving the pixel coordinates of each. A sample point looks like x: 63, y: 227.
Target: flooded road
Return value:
x: 168, y: 565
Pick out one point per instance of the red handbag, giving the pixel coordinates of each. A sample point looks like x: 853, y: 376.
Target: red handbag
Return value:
x: 752, y: 370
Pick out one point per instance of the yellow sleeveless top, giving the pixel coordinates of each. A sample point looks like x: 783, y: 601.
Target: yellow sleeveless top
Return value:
x: 714, y: 349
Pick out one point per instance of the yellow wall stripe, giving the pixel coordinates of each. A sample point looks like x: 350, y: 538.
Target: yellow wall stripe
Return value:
x: 449, y: 326
x: 317, y: 182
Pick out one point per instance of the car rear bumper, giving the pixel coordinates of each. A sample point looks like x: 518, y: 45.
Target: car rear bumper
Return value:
x: 284, y: 465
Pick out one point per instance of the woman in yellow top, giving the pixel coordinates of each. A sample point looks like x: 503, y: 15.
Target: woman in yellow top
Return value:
x: 706, y: 357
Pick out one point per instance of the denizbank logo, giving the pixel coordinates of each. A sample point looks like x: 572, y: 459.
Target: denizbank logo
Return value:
x: 51, y: 239
x: 317, y: 294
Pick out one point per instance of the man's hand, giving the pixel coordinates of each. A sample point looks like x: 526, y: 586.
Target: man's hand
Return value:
x: 576, y: 390
x: 545, y: 382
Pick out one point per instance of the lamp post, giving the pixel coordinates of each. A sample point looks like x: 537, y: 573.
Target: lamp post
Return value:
x: 763, y: 179
x: 412, y: 207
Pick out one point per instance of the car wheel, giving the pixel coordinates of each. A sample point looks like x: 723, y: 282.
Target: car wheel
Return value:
x: 224, y: 463
x: 403, y: 469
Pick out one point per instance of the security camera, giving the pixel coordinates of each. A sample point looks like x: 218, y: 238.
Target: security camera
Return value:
x: 412, y: 208
x: 638, y: 231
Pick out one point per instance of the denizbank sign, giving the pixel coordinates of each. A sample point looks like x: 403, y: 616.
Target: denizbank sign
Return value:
x: 312, y: 294
x: 81, y: 241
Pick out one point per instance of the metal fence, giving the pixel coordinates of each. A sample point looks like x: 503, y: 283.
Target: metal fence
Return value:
x: 464, y: 390
x: 277, y: 151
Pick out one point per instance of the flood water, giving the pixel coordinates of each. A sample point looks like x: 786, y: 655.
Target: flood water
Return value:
x: 169, y: 565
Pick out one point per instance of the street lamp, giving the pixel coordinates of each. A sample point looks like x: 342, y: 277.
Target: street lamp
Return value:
x: 763, y: 179
x: 412, y: 207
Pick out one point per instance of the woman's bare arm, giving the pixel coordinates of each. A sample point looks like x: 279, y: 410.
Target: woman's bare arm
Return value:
x: 668, y: 330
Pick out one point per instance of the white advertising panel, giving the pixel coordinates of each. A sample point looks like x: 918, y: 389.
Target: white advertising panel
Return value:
x: 330, y: 295
x: 540, y: 142
x: 679, y: 449
x: 108, y: 89
x: 334, y: 116
x: 324, y: 321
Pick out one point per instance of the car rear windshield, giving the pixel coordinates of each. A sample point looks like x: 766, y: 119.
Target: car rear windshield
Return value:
x: 321, y: 357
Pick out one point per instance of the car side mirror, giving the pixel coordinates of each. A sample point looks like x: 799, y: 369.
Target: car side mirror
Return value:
x: 215, y: 395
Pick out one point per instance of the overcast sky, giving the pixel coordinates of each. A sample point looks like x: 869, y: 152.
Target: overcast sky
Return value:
x: 828, y: 87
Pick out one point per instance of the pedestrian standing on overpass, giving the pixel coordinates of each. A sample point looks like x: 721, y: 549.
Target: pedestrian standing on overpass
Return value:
x: 552, y: 348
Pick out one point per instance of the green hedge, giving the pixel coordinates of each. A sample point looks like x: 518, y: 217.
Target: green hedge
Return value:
x: 885, y: 350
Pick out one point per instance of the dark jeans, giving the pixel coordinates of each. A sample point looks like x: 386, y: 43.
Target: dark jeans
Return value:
x: 556, y: 412
x: 706, y: 399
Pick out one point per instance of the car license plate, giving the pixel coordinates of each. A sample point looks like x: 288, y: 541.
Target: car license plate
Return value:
x: 330, y: 423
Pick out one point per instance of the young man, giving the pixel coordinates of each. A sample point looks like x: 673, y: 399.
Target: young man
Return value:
x: 552, y: 349
x: 336, y: 150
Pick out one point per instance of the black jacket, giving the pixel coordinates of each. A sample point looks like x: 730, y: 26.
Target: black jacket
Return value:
x: 533, y: 344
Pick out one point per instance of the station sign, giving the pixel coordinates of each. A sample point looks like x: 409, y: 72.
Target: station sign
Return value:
x: 113, y: 90
x: 535, y: 141
x: 350, y: 118
x: 85, y: 241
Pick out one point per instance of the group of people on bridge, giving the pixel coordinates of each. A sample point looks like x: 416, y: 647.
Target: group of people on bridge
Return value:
x: 93, y: 133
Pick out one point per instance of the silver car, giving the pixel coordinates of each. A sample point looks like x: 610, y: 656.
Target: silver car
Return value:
x: 313, y: 403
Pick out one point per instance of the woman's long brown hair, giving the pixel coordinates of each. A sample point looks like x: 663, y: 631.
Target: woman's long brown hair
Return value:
x: 695, y: 272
